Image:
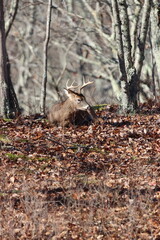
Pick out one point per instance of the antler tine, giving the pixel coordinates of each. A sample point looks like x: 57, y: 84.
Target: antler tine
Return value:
x: 85, y: 84
x: 71, y: 86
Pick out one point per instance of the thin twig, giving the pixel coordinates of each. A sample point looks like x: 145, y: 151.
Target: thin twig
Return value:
x: 52, y: 140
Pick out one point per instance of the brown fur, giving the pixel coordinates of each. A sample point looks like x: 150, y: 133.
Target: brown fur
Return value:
x: 75, y: 110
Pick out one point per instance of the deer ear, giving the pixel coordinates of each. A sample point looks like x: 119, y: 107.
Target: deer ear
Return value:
x: 68, y: 92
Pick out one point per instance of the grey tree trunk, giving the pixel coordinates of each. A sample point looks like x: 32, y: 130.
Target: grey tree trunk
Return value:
x: 9, y: 107
x: 45, y: 60
x: 155, y: 35
x: 130, y: 69
x: 142, y: 36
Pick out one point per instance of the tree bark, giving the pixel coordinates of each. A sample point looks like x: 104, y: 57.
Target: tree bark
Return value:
x: 142, y: 37
x: 9, y: 107
x: 129, y: 77
x: 11, y: 15
x: 120, y: 51
x: 45, y: 54
x: 3, y: 63
x: 155, y: 33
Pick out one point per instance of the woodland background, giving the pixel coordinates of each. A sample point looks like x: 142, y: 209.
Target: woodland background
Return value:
x: 82, y: 44
x: 96, y: 182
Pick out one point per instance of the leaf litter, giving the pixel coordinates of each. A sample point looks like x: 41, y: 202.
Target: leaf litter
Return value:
x: 91, y: 182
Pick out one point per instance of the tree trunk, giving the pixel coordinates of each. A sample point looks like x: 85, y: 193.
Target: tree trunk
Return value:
x: 45, y: 59
x: 130, y: 69
x: 3, y: 63
x: 130, y: 87
x: 120, y: 52
x: 155, y: 33
x: 129, y: 77
x: 9, y: 107
x: 142, y: 37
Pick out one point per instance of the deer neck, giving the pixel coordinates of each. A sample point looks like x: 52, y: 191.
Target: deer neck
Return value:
x: 70, y: 106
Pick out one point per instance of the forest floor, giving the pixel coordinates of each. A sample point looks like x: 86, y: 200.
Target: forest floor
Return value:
x: 97, y: 182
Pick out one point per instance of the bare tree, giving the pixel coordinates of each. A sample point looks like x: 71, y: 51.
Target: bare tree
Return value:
x: 45, y: 56
x: 130, y: 67
x: 9, y: 105
x: 93, y: 53
x: 155, y: 40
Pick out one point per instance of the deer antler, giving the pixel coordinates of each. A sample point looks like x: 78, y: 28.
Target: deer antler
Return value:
x: 70, y: 87
x: 78, y: 87
x: 85, y: 84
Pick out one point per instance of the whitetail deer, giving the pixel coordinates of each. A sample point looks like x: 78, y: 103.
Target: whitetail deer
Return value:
x: 74, y: 110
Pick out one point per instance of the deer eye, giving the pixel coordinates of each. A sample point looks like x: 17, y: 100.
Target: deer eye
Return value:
x: 78, y: 100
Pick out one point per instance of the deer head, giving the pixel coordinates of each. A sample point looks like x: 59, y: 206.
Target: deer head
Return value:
x: 77, y: 99
x: 74, y: 109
